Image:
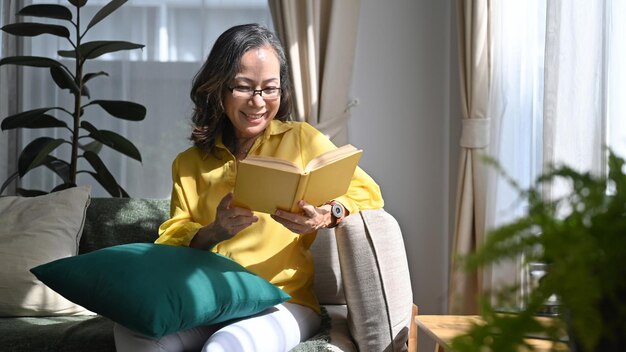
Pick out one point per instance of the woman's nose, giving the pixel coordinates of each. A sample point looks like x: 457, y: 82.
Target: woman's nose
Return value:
x: 257, y: 100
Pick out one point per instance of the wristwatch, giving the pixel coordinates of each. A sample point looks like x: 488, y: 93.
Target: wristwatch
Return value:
x: 337, y: 211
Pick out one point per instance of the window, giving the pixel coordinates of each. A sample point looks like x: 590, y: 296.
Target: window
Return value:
x: 178, y: 35
x: 558, y: 88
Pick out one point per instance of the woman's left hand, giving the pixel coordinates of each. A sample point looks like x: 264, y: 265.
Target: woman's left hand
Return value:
x: 311, y: 219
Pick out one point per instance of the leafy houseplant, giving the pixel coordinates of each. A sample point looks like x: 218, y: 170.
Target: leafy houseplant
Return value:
x: 85, y: 139
x: 581, y: 236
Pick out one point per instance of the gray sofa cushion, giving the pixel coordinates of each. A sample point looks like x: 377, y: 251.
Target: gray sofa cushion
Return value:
x: 376, y: 283
x: 113, y: 221
x: 59, y: 334
x: 328, y: 285
x: 359, y: 241
x: 339, y: 333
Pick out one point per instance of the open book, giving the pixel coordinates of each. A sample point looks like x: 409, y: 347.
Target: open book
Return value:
x: 265, y: 184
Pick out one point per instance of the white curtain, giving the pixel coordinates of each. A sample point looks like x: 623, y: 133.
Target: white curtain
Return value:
x: 516, y: 108
x: 8, y: 96
x: 557, y: 96
x: 178, y: 36
x: 320, y: 39
x: 584, y: 84
x: 616, y: 77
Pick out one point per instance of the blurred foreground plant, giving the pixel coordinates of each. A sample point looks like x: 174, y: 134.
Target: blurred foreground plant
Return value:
x: 581, y: 236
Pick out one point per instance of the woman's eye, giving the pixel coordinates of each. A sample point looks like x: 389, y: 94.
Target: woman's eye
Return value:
x: 243, y: 89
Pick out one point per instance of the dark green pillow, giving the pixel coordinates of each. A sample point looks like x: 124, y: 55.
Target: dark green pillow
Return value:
x: 160, y: 289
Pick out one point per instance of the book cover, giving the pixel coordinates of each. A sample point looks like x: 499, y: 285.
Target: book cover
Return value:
x: 266, y: 184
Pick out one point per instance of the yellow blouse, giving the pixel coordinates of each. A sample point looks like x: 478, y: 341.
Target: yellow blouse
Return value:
x: 267, y: 248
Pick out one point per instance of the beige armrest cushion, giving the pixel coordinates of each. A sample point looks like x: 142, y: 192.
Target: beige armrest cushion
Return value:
x: 376, y: 280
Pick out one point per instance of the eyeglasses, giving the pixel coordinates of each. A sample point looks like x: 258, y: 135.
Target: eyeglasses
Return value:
x: 243, y: 92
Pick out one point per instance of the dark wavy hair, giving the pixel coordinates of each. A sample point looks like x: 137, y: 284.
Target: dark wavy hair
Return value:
x: 211, y: 82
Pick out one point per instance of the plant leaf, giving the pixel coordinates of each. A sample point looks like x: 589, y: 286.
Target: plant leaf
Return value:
x: 113, y: 140
x: 90, y: 128
x: 63, y: 186
x: 104, y: 12
x: 30, y: 192
x: 85, y: 92
x: 46, y: 10
x: 60, y: 167
x: 91, y: 75
x: 34, y: 154
x: 118, y: 143
x: 92, y: 50
x: 64, y: 79
x: 46, y: 121
x: 78, y: 3
x: 35, y: 61
x: 93, y: 146
x: 126, y: 110
x: 36, y: 118
x: 120, y: 193
x: 32, y: 29
x: 121, y: 144
x: 8, y: 181
x: 124, y: 193
x: 104, y: 176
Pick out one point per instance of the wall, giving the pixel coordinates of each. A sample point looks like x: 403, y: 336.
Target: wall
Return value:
x: 407, y: 121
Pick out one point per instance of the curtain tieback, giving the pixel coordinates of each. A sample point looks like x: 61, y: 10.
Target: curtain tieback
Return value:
x: 475, y: 133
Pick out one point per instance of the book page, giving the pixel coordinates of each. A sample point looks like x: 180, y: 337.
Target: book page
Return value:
x: 266, y: 184
x: 331, y: 156
x: 264, y: 189
x: 331, y: 180
x: 268, y: 161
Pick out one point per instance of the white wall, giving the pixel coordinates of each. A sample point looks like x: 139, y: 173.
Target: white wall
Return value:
x: 407, y: 122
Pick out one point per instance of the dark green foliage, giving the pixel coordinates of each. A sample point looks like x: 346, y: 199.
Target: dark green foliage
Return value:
x: 582, y: 237
x: 37, y: 153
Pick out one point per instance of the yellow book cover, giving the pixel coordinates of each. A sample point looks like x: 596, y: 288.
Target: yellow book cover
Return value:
x: 265, y: 184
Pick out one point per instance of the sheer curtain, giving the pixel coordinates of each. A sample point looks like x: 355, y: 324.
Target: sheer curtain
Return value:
x: 178, y: 36
x: 516, y: 108
x: 616, y: 77
x: 584, y: 84
x: 557, y: 96
x: 8, y: 88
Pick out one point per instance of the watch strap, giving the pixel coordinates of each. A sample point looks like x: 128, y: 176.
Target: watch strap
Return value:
x: 337, y: 213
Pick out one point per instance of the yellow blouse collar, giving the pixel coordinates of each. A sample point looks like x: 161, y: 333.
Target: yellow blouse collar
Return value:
x: 275, y: 127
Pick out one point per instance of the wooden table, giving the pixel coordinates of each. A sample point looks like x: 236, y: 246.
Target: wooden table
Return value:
x: 443, y: 328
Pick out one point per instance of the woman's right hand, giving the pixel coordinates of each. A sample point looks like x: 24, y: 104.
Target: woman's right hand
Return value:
x: 228, y: 222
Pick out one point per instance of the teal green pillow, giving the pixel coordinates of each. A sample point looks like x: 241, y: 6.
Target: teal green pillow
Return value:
x: 159, y: 289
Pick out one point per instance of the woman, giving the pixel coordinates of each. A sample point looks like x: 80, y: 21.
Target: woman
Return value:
x: 242, y: 98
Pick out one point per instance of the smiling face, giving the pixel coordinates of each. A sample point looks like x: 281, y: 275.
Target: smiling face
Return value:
x: 259, y: 68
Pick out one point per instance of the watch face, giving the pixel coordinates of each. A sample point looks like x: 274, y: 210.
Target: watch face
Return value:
x: 337, y: 210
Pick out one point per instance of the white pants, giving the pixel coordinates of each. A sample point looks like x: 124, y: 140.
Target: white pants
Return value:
x: 278, y: 329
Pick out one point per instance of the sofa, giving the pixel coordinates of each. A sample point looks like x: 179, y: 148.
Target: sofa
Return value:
x: 362, y: 281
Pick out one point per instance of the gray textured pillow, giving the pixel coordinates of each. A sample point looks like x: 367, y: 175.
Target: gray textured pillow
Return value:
x: 376, y: 280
